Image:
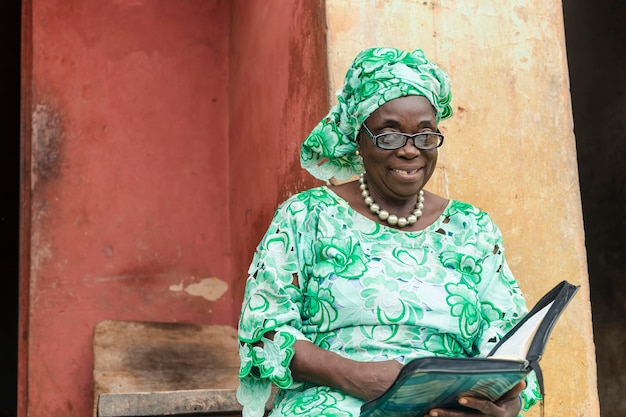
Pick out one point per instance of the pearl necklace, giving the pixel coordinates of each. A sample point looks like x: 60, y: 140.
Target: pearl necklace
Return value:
x: 384, y: 215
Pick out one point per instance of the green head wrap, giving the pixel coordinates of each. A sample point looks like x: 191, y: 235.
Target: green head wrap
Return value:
x: 376, y: 76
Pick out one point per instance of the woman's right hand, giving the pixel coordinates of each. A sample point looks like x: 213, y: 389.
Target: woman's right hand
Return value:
x: 364, y: 380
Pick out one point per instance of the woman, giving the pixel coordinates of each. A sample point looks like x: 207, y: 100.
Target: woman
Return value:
x: 352, y: 281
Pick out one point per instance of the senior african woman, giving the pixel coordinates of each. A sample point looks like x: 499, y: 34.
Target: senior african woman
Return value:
x: 352, y: 281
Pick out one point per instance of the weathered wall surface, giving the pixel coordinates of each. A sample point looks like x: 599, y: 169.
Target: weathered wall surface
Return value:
x: 164, y: 135
x: 278, y: 79
x: 510, y: 147
x: 130, y: 213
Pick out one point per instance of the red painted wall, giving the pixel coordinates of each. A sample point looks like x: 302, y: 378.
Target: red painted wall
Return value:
x: 130, y: 164
x: 164, y: 133
x: 279, y: 92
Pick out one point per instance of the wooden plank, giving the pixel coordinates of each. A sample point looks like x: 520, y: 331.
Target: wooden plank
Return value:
x: 145, y: 359
x: 178, y: 403
x: 146, y: 356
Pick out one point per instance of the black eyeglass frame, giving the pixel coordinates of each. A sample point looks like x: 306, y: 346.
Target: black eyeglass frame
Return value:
x: 415, y: 136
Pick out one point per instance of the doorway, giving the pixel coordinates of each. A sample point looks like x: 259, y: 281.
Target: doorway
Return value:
x: 10, y: 19
x: 596, y: 47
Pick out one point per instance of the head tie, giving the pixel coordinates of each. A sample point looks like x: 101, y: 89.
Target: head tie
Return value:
x: 376, y: 76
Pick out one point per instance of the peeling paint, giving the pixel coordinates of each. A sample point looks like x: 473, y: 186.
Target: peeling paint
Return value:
x: 47, y: 143
x: 108, y: 250
x: 208, y: 288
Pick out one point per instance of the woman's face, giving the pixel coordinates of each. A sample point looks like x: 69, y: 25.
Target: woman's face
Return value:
x: 399, y: 174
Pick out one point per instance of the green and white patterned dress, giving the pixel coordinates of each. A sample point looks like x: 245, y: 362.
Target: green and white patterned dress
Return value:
x: 369, y: 292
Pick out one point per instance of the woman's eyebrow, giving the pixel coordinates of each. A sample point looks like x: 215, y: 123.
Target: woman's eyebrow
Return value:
x: 390, y: 122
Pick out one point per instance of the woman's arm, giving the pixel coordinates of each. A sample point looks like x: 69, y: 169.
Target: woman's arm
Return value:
x: 368, y: 380
x: 364, y: 380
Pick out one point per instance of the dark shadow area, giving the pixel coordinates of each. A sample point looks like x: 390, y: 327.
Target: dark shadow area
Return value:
x: 596, y: 49
x: 9, y: 200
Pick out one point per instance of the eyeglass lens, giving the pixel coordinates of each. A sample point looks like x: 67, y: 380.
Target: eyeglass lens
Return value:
x: 398, y: 140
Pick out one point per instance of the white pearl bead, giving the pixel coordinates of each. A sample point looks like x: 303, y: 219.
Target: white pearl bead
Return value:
x: 384, y: 215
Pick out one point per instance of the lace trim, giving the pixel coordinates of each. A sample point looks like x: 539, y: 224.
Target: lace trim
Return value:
x: 263, y: 365
x: 274, y: 357
x: 253, y: 394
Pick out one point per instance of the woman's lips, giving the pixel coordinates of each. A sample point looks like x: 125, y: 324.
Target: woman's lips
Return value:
x: 406, y: 174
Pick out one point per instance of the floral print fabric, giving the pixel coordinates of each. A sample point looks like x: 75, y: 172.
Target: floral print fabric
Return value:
x: 327, y: 274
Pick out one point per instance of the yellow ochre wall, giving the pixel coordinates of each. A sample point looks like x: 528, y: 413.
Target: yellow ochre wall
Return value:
x: 509, y: 148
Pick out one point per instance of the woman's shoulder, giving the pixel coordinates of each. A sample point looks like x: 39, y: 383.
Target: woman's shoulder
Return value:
x: 310, y: 196
x: 307, y: 201
x: 463, y: 207
x: 468, y: 215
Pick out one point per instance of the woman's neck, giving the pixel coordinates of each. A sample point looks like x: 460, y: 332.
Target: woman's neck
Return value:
x: 434, y: 206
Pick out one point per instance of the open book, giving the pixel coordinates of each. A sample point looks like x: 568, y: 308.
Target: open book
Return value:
x: 438, y: 382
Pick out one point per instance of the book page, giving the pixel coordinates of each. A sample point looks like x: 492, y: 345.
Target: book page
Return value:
x: 517, y: 345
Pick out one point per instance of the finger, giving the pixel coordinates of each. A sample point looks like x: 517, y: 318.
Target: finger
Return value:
x: 515, y: 391
x: 486, y: 407
x: 478, y: 404
x: 450, y: 413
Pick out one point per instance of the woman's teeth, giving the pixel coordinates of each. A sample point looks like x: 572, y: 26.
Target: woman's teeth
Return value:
x: 403, y: 172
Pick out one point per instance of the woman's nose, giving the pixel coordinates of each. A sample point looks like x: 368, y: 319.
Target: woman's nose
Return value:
x: 409, y: 150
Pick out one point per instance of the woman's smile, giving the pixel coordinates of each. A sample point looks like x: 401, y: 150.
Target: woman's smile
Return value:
x: 410, y: 175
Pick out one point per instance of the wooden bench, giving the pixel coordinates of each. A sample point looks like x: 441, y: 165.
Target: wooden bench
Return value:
x: 164, y: 369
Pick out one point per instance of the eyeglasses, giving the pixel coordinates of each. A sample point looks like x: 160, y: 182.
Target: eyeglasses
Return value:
x: 396, y: 140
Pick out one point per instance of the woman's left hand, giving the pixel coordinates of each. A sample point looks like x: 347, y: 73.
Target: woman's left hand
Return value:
x: 507, y: 406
